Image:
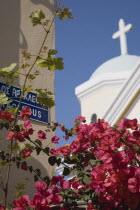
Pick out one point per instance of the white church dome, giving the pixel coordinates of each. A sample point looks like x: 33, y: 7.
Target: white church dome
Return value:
x: 121, y: 64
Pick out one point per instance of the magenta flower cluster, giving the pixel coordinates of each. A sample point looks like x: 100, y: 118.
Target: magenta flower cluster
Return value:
x: 106, y: 161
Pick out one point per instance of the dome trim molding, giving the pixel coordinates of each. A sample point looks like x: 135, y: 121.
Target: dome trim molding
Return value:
x: 92, y: 85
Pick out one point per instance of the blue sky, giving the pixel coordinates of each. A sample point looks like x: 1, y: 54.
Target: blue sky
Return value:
x: 86, y: 42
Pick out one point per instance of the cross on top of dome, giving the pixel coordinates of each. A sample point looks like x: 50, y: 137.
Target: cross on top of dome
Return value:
x: 123, y: 29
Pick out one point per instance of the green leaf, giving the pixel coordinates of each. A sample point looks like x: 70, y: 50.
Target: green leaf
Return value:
x: 38, y: 172
x: 15, y: 147
x: 31, y: 76
x: 28, y: 89
x: 52, y: 160
x: 7, y: 126
x: 46, y: 150
x: 87, y: 197
x: 65, y: 13
x: 11, y: 206
x: 70, y: 200
x: 93, y: 195
x: 18, y: 159
x: 30, y: 169
x: 16, y: 73
x: 70, y: 161
x: 7, y: 69
x: 26, y: 54
x: 45, y: 97
x: 2, y: 155
x: 4, y: 99
x: 12, y: 110
x: 95, y: 162
x: 58, y: 161
x: 58, y: 63
x: 8, y: 74
x: 18, y: 164
x: 86, y: 179
x: 2, y: 126
x: 26, y: 146
x: 3, y: 163
x: 42, y: 62
x: 52, y: 52
x: 19, y: 194
x: 38, y: 142
x: 68, y: 132
x: 21, y: 186
x: 66, y: 171
x: 35, y: 178
x: 38, y: 150
x: 51, y: 62
x: 47, y: 179
x: 17, y: 128
x: 36, y: 17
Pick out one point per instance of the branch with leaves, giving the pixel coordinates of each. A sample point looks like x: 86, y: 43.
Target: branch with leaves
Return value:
x: 45, y: 58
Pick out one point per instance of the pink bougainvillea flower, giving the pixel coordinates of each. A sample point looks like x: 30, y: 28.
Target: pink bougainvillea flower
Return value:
x: 76, y: 184
x: 90, y: 207
x: 26, y: 152
x: 127, y: 123
x: 25, y: 112
x: 21, y: 202
x: 24, y: 166
x: 8, y: 116
x: 65, y: 184
x: 133, y: 185
x: 55, y: 124
x: 28, y: 132
x: 53, y: 152
x: 80, y: 118
x: 19, y: 136
x: 39, y: 202
x: 2, y: 207
x: 113, y: 173
x: 40, y: 186
x: 1, y: 113
x: 41, y: 135
x: 57, y: 199
x: 27, y: 124
x: 10, y: 135
x: 62, y: 127
x: 56, y: 179
x: 55, y: 139
x: 66, y: 137
x: 65, y: 150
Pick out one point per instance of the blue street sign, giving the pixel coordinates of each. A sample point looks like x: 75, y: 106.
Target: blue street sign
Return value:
x: 38, y: 112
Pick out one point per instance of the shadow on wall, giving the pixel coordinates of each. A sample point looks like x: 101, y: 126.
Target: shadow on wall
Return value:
x: 9, y: 33
x: 46, y: 3
x: 10, y: 30
x: 20, y: 176
x: 23, y: 43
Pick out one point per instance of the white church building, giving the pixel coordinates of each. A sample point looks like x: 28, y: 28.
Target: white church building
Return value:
x: 113, y: 90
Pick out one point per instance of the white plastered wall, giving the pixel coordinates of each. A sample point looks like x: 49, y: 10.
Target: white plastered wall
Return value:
x: 98, y: 101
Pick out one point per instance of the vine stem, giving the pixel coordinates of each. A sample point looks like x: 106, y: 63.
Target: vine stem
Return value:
x: 16, y: 116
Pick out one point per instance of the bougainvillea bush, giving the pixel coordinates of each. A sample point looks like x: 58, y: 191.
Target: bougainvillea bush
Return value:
x: 106, y: 160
